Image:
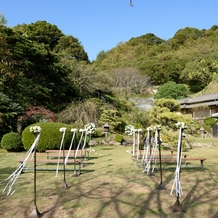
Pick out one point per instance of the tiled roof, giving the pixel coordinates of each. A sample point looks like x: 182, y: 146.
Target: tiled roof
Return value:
x: 203, y: 98
x: 209, y: 99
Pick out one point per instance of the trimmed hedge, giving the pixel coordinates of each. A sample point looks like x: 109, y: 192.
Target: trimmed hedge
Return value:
x: 12, y: 142
x: 50, y: 136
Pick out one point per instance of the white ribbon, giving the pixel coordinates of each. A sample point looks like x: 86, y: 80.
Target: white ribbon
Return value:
x: 138, y: 142
x: 133, y: 145
x: 146, y: 147
x: 84, y: 142
x: 63, y: 129
x: 130, y: 130
x: 72, y: 140
x: 178, y: 166
x: 152, y: 155
x: 80, y: 140
x: 13, y: 177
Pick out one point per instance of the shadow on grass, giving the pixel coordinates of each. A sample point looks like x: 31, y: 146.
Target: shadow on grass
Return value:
x: 84, y: 171
x: 107, y: 148
x: 5, y: 172
x: 49, y: 213
x: 88, y: 163
x: 91, y: 158
x: 120, y: 189
x: 110, y: 198
x: 187, y: 200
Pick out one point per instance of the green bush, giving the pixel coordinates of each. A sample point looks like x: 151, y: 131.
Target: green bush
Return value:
x: 210, y: 121
x: 118, y: 138
x: 12, y: 142
x: 50, y: 136
x: 171, y: 90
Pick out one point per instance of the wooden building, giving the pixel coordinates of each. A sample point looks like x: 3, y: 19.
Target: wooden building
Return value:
x: 200, y: 107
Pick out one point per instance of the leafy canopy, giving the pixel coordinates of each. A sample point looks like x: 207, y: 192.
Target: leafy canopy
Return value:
x: 171, y: 90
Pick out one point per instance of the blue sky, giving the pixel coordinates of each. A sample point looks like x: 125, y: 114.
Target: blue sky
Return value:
x: 102, y: 24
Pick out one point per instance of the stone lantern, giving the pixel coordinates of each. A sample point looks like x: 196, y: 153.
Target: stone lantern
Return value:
x: 106, y: 129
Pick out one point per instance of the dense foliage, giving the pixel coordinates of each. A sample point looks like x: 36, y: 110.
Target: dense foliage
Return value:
x: 30, y: 66
x: 9, y: 113
x: 171, y: 90
x: 190, y: 57
x: 171, y: 104
x: 41, y: 67
x: 12, y: 142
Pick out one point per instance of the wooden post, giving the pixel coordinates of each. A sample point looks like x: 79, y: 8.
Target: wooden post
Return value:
x: 35, y: 213
x: 64, y: 183
x: 74, y: 155
x: 150, y: 173
x: 161, y: 185
x: 177, y: 207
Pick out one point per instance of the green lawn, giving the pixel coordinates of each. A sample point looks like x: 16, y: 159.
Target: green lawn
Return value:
x: 111, y: 185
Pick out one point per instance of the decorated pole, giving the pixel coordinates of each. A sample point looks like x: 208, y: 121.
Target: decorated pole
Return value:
x: 73, y: 142
x: 64, y: 182
x: 130, y: 130
x: 138, y: 144
x: 36, y: 130
x: 70, y: 148
x: 90, y: 129
x: 161, y: 185
x: 177, y: 206
x: 150, y: 173
x: 147, y: 147
x: 133, y: 145
x: 63, y: 130
x: 35, y: 213
x: 83, y: 136
x: 74, y: 156
x: 149, y: 167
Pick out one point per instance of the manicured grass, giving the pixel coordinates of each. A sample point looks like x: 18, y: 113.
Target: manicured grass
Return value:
x: 206, y: 140
x: 111, y: 185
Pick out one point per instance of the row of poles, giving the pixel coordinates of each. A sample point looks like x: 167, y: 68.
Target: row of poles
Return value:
x: 149, y: 155
x: 36, y: 130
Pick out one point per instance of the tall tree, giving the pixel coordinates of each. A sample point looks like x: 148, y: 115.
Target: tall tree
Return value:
x: 199, y: 73
x: 71, y: 47
x: 40, y: 32
x: 33, y: 70
x: 9, y: 112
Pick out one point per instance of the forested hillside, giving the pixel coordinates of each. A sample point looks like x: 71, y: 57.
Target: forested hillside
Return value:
x: 46, y: 75
x: 190, y: 57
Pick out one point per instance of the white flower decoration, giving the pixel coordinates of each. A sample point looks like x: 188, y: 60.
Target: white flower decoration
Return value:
x: 74, y: 130
x: 130, y: 130
x: 149, y: 129
x: 181, y: 125
x: 158, y: 127
x: 82, y: 130
x: 62, y: 129
x: 90, y: 128
x: 35, y: 129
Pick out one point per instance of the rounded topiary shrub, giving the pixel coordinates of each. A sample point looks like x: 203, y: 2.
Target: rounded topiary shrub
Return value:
x: 50, y: 137
x: 12, y: 142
